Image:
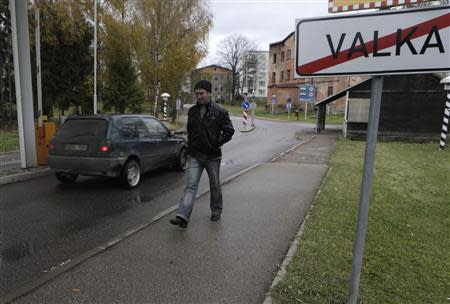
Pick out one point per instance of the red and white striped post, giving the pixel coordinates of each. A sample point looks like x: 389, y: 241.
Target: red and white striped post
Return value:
x: 244, y: 119
x: 165, y: 97
x: 444, y: 133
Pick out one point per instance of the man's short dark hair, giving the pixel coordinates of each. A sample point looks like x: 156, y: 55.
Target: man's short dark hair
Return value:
x: 203, y: 84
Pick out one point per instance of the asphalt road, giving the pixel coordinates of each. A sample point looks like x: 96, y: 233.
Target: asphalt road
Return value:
x: 43, y: 223
x: 9, y: 161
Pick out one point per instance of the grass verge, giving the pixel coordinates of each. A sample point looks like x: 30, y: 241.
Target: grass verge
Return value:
x: 406, y: 258
x: 9, y: 140
x: 311, y: 117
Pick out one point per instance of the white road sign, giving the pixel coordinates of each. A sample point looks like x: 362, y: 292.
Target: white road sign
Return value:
x: 388, y: 42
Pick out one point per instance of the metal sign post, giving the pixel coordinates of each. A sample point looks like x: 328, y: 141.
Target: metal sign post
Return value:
x: 366, y: 186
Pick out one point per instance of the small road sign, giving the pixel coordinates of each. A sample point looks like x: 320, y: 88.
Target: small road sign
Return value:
x: 245, y: 105
x: 383, y: 43
x: 306, y: 92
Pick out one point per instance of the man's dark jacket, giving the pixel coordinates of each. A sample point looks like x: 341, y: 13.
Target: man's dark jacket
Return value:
x: 206, y: 135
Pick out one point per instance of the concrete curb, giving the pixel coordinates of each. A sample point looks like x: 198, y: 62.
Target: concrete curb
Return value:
x: 23, y: 176
x: 281, y: 274
x: 249, y: 130
x: 9, y: 152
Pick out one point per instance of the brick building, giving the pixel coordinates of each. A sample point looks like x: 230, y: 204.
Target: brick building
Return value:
x: 220, y: 78
x: 283, y: 84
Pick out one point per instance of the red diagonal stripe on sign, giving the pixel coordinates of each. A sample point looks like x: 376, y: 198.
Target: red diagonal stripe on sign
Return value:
x: 383, y: 43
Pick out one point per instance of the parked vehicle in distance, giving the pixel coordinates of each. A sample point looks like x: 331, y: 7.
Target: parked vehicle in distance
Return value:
x: 123, y: 146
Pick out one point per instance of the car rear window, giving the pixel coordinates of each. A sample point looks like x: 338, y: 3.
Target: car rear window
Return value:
x: 73, y: 128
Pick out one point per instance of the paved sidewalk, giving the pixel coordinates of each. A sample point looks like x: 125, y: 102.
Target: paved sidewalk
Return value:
x: 233, y: 260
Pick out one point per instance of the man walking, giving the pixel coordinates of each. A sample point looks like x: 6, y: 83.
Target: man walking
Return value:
x: 209, y: 127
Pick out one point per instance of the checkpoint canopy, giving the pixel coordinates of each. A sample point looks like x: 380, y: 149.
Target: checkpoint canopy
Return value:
x: 388, y: 42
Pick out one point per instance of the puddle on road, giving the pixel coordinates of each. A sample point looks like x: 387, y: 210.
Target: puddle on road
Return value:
x: 17, y: 251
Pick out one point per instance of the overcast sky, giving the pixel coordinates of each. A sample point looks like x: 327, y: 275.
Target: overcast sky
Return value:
x: 262, y: 21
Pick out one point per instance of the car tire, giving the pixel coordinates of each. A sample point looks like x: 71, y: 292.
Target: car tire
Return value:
x: 66, y: 178
x: 181, y: 163
x: 131, y: 174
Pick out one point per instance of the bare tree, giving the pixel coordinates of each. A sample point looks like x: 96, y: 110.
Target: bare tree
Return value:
x: 232, y: 53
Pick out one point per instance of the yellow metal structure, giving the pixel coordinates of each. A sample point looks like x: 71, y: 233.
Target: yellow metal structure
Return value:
x: 43, y: 136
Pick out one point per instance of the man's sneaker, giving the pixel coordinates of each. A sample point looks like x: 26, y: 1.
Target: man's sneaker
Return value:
x: 178, y: 221
x: 215, y: 217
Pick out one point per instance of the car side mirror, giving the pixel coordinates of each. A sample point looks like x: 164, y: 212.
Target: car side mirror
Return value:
x: 171, y: 133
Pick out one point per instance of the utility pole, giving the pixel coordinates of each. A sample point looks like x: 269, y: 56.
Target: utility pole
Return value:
x: 22, y: 72
x: 38, y: 63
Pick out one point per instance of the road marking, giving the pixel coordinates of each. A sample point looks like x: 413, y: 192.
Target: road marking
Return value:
x: 10, y: 162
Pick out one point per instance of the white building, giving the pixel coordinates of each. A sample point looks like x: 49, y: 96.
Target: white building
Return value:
x: 256, y: 76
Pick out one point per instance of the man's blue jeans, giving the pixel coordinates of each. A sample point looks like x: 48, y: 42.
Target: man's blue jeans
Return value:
x: 194, y: 172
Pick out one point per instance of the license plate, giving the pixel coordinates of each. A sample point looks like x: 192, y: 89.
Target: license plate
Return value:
x: 75, y: 147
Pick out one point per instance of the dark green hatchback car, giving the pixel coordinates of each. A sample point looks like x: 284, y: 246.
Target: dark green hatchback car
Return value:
x: 123, y: 146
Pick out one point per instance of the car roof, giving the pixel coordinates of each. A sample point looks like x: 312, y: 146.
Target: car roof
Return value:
x: 107, y: 116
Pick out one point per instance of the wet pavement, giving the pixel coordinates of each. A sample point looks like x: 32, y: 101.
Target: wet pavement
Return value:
x: 230, y: 261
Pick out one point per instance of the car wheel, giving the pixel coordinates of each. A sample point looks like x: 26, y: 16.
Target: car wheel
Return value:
x: 181, y: 163
x: 131, y: 174
x: 66, y: 178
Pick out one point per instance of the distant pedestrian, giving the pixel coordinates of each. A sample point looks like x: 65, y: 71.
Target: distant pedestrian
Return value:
x: 209, y: 127
x: 245, y: 97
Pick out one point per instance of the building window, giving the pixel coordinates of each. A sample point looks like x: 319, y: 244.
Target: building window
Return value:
x: 288, y: 55
x: 288, y: 74
x: 274, y: 75
x: 330, y: 91
x: 261, y: 92
x: 282, y: 56
x: 221, y: 88
x: 215, y: 89
x: 282, y: 76
x: 274, y: 58
x: 262, y: 83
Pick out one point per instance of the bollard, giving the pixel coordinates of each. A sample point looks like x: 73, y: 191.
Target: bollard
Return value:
x: 165, y: 111
x: 244, y: 119
x: 444, y: 132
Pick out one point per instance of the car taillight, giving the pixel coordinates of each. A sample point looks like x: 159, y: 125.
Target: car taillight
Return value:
x: 104, y: 148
